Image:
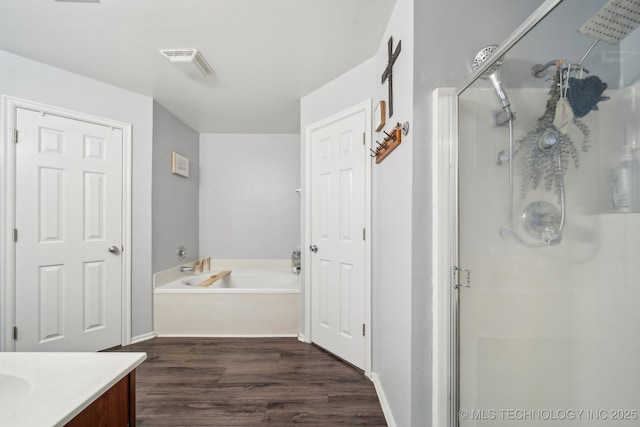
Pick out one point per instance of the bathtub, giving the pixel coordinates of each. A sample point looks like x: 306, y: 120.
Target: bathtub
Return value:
x: 248, y: 302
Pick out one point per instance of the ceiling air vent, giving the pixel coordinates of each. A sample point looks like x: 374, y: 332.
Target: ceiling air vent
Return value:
x: 189, y: 61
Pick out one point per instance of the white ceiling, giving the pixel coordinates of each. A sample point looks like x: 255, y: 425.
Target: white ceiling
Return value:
x: 265, y: 54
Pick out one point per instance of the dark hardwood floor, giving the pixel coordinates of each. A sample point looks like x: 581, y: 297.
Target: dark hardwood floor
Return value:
x: 249, y: 382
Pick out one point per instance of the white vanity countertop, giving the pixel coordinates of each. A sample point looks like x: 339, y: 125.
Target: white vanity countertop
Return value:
x: 49, y: 389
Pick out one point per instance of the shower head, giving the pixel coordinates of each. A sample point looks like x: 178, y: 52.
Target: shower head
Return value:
x: 483, y: 55
x: 493, y: 74
x: 614, y: 21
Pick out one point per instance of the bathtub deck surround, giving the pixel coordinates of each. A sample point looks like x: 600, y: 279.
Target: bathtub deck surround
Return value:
x: 174, y: 273
x: 199, y: 266
x: 259, y: 298
x: 171, y: 274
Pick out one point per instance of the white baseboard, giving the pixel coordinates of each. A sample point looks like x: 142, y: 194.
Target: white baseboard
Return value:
x: 143, y: 337
x: 302, y: 338
x: 386, y: 409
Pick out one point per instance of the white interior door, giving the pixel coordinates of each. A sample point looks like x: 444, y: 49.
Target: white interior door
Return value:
x: 338, y: 160
x: 68, y: 202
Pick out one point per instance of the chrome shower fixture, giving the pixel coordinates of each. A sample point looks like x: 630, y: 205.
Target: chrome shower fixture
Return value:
x: 614, y: 21
x: 549, y: 139
x: 493, y: 74
x: 540, y: 71
x: 543, y: 221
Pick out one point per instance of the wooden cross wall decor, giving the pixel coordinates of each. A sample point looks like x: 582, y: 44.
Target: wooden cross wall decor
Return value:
x: 388, y: 74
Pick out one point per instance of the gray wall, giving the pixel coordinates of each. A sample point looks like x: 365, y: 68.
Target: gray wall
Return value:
x: 174, y: 198
x: 447, y: 36
x: 392, y: 232
x: 248, y: 204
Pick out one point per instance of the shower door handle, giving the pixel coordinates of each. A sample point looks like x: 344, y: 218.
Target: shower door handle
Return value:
x: 313, y: 248
x: 457, y: 273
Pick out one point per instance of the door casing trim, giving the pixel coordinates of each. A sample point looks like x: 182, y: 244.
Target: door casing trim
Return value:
x: 10, y: 105
x: 365, y: 107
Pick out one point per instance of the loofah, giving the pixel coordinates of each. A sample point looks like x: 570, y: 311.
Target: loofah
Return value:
x: 584, y: 94
x: 564, y: 116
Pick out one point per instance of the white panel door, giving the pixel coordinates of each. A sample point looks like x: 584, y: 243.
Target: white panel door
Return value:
x: 338, y: 164
x: 68, y: 215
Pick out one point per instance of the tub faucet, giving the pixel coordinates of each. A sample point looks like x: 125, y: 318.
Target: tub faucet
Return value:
x: 185, y: 268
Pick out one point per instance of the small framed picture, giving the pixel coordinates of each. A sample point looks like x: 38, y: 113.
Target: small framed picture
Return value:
x: 379, y: 115
x: 179, y: 164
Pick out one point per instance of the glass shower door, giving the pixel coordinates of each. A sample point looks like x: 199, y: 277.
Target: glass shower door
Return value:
x: 549, y: 329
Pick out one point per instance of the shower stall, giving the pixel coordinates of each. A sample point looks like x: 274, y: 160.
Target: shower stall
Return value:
x: 545, y: 292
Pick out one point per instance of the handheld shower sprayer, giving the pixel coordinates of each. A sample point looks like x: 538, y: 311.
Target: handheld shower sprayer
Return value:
x: 493, y: 74
x: 541, y: 220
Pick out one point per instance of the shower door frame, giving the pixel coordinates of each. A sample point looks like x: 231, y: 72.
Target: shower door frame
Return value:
x: 446, y: 364
x: 445, y: 249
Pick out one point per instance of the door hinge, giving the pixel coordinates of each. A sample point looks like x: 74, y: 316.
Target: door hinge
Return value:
x: 363, y: 329
x: 456, y: 276
x: 15, y: 333
x: 364, y: 139
x: 364, y: 234
x: 15, y: 234
x: 15, y: 136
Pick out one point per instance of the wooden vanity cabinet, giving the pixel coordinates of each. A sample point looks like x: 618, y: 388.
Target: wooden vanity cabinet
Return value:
x: 114, y: 408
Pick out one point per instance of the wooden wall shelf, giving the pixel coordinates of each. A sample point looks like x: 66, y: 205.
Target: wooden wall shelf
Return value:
x: 390, y: 142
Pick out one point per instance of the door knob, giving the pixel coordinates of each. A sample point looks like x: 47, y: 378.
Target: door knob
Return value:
x: 114, y: 250
x: 313, y: 248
